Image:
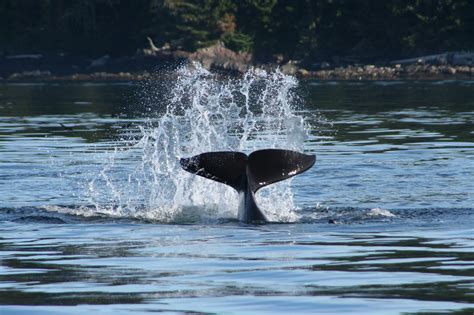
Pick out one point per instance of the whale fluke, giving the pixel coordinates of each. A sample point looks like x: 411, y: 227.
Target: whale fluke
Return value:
x: 265, y: 167
x: 224, y: 167
x: 247, y: 174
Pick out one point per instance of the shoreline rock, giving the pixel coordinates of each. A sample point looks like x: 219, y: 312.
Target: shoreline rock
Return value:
x: 349, y: 73
x: 60, y: 67
x: 397, y: 72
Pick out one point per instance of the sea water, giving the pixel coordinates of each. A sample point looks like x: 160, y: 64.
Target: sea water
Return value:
x: 96, y: 215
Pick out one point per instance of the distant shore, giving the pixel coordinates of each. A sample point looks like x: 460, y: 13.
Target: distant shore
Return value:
x: 351, y: 73
x: 146, y: 63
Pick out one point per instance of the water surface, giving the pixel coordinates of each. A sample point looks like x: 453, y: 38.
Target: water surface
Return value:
x: 381, y: 224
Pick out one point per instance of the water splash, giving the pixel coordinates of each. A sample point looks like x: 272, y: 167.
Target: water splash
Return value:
x: 199, y: 112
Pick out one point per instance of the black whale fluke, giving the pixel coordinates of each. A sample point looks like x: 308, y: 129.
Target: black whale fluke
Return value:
x: 247, y: 174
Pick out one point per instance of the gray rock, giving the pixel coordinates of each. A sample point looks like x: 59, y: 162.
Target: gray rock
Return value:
x: 290, y: 68
x: 463, y: 59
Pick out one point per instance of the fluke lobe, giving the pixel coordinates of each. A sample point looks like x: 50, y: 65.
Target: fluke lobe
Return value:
x: 247, y: 174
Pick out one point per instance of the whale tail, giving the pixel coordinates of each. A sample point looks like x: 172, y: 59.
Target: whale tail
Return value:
x: 259, y: 169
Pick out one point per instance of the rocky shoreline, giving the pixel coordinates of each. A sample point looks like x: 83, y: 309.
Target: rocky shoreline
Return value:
x: 146, y: 62
x: 397, y: 72
x: 351, y: 73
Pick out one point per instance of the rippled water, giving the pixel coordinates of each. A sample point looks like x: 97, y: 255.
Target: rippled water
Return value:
x: 383, y: 223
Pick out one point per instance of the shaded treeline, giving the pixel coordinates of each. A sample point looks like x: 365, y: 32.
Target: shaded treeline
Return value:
x: 270, y: 29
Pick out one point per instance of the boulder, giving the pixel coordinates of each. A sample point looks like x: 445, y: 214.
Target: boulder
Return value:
x: 463, y: 59
x: 459, y: 58
x: 291, y: 67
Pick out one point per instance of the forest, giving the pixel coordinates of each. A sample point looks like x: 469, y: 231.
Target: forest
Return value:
x: 269, y: 29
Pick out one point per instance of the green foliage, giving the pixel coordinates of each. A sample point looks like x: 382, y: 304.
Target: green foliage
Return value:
x: 238, y: 41
x: 434, y: 24
x: 189, y: 24
x: 297, y: 29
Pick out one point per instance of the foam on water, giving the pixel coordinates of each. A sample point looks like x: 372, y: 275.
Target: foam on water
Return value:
x: 378, y: 212
x: 200, y: 112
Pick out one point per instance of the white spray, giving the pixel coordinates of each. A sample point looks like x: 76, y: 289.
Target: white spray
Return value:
x: 202, y: 112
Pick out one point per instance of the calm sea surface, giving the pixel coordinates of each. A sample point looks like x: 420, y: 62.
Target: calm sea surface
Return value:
x: 382, y: 224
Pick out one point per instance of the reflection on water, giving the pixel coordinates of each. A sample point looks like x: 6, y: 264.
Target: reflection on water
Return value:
x: 302, y: 264
x: 384, y: 218
x: 398, y: 146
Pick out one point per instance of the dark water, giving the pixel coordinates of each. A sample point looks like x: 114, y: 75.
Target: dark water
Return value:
x: 384, y: 221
